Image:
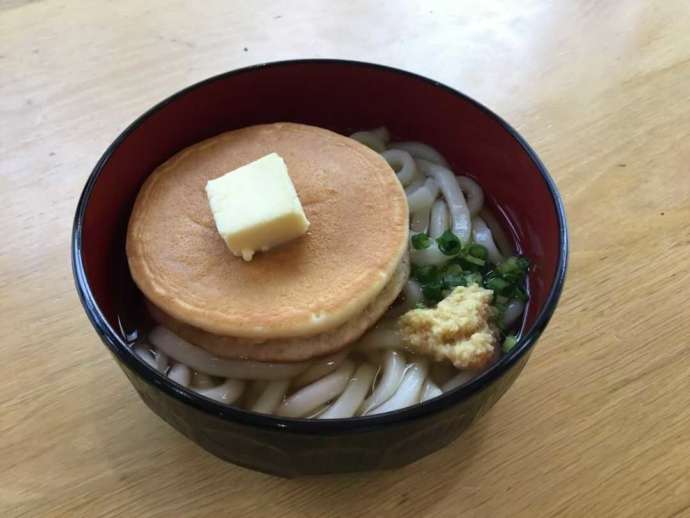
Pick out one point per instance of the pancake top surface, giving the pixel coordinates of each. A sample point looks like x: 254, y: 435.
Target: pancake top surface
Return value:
x: 359, y: 225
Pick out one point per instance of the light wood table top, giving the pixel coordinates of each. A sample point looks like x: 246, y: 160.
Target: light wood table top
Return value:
x: 597, y: 425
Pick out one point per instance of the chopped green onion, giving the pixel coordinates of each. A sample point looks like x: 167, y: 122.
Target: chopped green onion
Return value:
x: 414, y: 271
x: 470, y: 263
x: 509, y: 342
x: 498, y: 316
x: 518, y: 293
x: 500, y: 299
x: 474, y: 260
x: 449, y: 243
x: 433, y: 291
x: 420, y: 305
x: 453, y: 276
x: 452, y: 267
x: 478, y: 251
x: 457, y: 260
x: 513, y: 269
x: 467, y: 266
x: 420, y: 241
x: 497, y: 284
x: 514, y: 262
x: 425, y: 273
x: 473, y: 278
x: 508, y: 266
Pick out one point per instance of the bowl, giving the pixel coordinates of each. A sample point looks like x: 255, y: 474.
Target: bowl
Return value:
x: 344, y: 96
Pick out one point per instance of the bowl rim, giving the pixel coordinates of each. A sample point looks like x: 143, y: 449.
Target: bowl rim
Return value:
x: 123, y: 353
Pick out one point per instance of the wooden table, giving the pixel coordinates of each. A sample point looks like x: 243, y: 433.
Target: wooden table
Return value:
x: 598, y: 423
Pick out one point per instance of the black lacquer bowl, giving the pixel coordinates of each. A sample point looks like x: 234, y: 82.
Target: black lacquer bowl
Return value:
x: 343, y: 96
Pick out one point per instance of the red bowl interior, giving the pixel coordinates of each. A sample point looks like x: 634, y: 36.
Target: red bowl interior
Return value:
x: 344, y: 97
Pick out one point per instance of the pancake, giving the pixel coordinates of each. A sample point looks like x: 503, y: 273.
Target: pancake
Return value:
x: 290, y: 349
x: 311, y: 285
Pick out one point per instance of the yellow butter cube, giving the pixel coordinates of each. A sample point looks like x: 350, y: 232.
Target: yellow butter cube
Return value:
x: 255, y: 207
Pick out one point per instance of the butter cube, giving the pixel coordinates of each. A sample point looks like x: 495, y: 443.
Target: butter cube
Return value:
x: 256, y: 207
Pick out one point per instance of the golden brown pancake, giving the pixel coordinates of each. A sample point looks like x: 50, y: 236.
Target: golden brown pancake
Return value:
x: 311, y: 285
x: 291, y: 349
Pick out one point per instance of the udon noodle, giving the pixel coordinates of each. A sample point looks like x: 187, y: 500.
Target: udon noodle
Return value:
x: 375, y: 375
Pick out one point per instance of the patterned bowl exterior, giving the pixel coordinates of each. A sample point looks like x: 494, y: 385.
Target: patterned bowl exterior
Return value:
x: 287, y: 454
x: 343, y: 96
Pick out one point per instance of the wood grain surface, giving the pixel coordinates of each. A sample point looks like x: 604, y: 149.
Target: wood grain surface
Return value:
x: 597, y: 425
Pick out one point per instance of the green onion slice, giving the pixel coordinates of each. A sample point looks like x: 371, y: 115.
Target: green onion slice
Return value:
x: 509, y: 342
x: 478, y: 251
x: 449, y: 243
x: 425, y: 273
x: 433, y: 291
x: 420, y: 241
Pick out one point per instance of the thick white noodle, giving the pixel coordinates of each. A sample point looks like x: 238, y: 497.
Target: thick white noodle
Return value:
x: 412, y: 292
x: 382, y: 133
x: 440, y: 220
x: 416, y: 183
x: 505, y: 245
x: 195, y: 357
x: 319, y: 368
x: 201, y: 380
x: 460, y: 378
x: 403, y: 164
x: 431, y: 255
x: 162, y: 362
x: 351, y: 399
x: 226, y: 393
x: 459, y: 212
x: 181, y: 374
x: 513, y: 311
x: 308, y: 399
x: 410, y: 388
x: 384, y: 335
x: 420, y: 150
x: 419, y: 221
x: 430, y: 391
x: 253, y: 392
x: 481, y: 234
x: 144, y: 353
x: 473, y: 194
x: 393, y: 371
x: 375, y: 139
x: 423, y: 198
x: 271, y: 397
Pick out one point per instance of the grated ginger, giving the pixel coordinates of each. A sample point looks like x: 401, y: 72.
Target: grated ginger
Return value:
x: 458, y: 329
